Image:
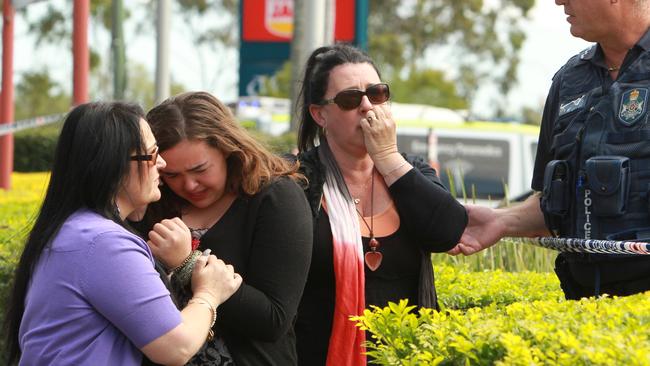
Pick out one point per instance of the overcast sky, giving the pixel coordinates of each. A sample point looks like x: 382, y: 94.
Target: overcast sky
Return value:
x: 548, y: 46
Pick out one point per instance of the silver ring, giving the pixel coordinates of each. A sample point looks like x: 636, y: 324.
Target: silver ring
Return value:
x: 369, y: 118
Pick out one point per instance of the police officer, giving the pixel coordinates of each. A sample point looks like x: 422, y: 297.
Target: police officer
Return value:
x: 592, y: 170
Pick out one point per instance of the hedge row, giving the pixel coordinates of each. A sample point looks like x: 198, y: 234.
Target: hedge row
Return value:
x: 34, y: 148
x: 461, y: 289
x: 529, y: 326
x: 18, y: 208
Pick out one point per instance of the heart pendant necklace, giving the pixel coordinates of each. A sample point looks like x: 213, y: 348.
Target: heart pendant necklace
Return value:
x: 373, y: 257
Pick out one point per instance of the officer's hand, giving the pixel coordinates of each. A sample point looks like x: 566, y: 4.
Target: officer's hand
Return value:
x: 483, y: 230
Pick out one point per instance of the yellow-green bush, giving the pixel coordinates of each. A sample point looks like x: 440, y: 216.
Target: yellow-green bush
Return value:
x: 461, y: 289
x: 519, y: 319
x: 18, y: 208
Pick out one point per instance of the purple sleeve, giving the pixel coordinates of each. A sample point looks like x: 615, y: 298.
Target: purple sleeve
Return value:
x: 120, y: 282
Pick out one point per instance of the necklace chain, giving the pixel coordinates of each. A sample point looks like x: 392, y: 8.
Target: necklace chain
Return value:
x: 363, y: 187
x: 372, y: 201
x: 373, y: 257
x: 613, y: 68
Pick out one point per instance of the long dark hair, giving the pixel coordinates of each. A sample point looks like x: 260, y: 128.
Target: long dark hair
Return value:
x: 91, y: 162
x: 314, y: 85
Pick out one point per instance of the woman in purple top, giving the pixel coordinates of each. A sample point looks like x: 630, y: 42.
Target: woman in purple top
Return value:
x: 86, y: 291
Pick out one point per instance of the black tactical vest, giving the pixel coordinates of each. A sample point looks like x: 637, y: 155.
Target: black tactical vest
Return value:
x: 598, y: 183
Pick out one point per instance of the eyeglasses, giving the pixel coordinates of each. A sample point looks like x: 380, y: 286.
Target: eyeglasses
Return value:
x: 151, y: 159
x: 351, y: 98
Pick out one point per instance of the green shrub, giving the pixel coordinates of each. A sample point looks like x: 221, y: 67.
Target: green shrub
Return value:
x: 461, y: 289
x: 498, y: 318
x: 34, y: 148
x: 18, y: 208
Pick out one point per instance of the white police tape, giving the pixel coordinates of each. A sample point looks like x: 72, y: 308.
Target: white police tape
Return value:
x: 8, y: 128
x: 590, y: 245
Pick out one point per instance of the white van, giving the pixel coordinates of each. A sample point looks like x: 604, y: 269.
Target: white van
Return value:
x: 477, y: 160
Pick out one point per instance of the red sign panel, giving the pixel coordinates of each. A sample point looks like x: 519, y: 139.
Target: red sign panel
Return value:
x: 272, y: 20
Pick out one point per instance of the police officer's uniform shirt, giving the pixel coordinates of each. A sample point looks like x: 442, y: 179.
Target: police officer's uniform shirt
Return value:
x: 594, y: 58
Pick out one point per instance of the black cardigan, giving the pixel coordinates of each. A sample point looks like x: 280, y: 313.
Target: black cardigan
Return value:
x: 267, y: 238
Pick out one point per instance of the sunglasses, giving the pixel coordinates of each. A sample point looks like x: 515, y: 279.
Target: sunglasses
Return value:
x: 351, y: 98
x: 151, y: 159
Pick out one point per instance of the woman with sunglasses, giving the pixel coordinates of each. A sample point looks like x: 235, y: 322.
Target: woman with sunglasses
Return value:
x: 377, y: 214
x: 86, y: 291
x: 244, y: 204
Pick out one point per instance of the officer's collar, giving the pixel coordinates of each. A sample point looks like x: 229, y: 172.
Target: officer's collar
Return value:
x: 644, y: 42
x: 595, y: 53
x: 590, y: 52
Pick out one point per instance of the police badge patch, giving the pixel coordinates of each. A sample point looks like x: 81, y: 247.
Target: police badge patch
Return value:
x: 633, y: 105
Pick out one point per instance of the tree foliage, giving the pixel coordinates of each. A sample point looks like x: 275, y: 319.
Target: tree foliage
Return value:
x: 209, y: 24
x: 54, y: 26
x: 142, y: 86
x: 480, y: 39
x: 483, y: 38
x: 38, y: 95
x: 427, y: 86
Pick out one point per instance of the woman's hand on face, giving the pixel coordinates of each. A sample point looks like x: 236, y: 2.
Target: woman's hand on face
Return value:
x: 170, y: 241
x: 379, y: 132
x: 381, y: 140
x: 213, y: 279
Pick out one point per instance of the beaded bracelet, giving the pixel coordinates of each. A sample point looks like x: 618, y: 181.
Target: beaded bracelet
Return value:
x: 184, y: 262
x: 183, y: 273
x: 213, y: 312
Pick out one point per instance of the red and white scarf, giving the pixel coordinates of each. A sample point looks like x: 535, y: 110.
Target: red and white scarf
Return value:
x: 346, y: 341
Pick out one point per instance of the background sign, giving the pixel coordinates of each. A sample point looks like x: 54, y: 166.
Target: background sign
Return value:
x: 272, y: 20
x: 266, y: 29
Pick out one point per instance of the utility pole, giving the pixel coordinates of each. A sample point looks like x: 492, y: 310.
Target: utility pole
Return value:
x: 118, y: 49
x: 307, y: 36
x: 297, y: 66
x: 162, y: 50
x: 81, y: 57
x: 7, y: 96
